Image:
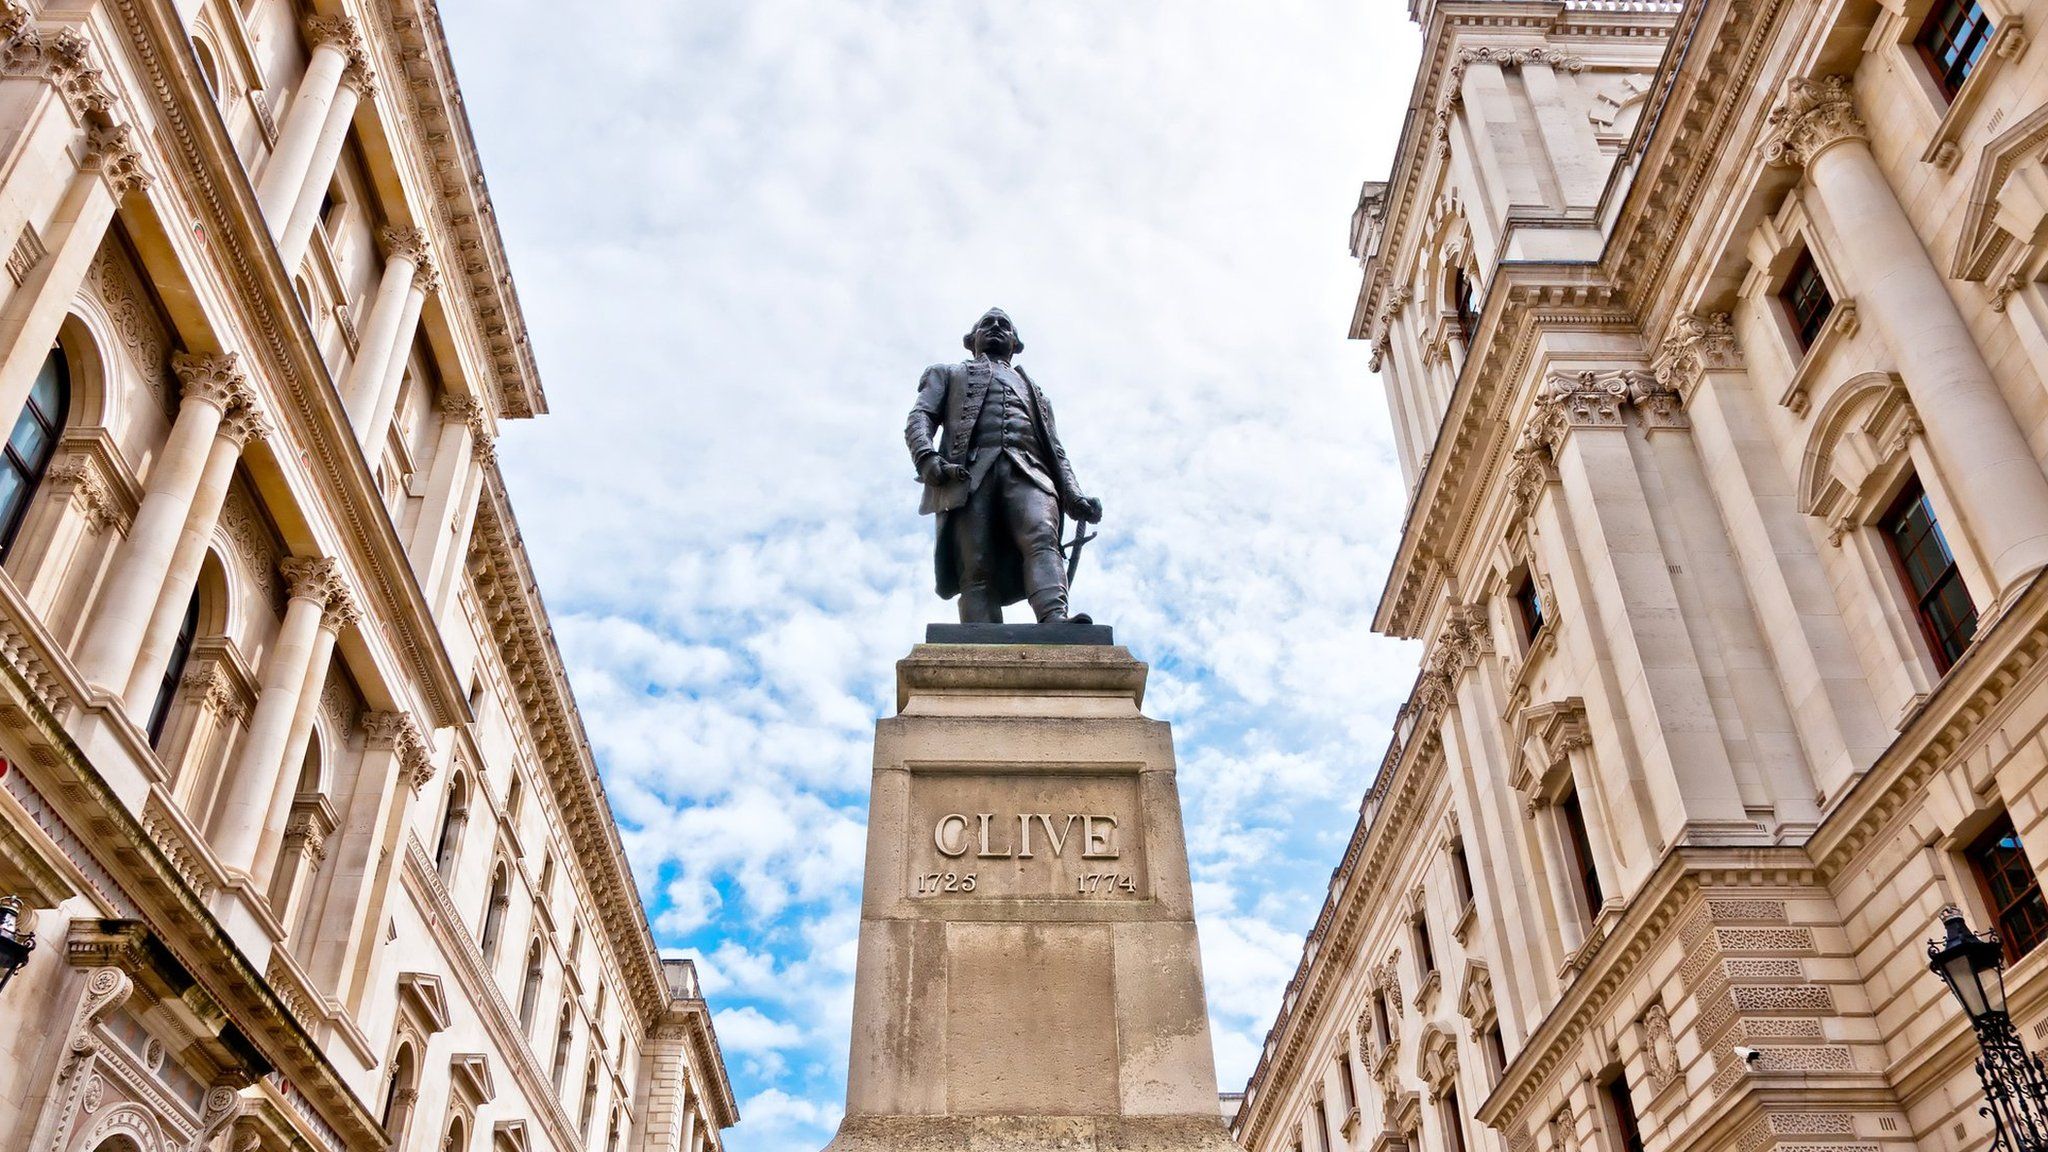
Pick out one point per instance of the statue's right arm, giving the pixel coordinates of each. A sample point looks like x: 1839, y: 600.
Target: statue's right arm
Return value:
x: 926, y: 416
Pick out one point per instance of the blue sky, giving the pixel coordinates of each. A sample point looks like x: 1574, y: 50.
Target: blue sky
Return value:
x: 742, y: 228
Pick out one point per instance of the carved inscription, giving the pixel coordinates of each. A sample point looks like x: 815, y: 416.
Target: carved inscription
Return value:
x: 1036, y: 836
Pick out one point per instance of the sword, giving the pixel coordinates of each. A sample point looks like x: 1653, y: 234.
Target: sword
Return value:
x: 1073, y: 547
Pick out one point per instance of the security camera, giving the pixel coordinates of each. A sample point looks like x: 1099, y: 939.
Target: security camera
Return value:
x: 1749, y: 1056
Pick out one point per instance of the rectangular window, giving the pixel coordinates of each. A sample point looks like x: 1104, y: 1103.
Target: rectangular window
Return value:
x: 1952, y: 40
x: 1529, y: 607
x: 1323, y: 1126
x: 1461, y: 875
x: 1496, y: 1047
x: 1382, y: 1019
x: 1582, y: 852
x: 1947, y: 617
x: 1468, y: 308
x: 1627, y: 1134
x: 1454, y: 1121
x: 2010, y: 887
x: 1344, y: 1081
x: 1806, y: 299
x: 1425, y: 949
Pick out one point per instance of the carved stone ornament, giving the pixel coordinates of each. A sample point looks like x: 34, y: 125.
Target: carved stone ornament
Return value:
x: 215, y: 379
x: 1659, y: 404
x: 110, y: 150
x: 336, y: 31
x: 1815, y: 114
x: 1585, y: 399
x: 405, y: 243
x: 244, y: 422
x: 315, y: 578
x: 1660, y: 1053
x: 1695, y: 346
x: 341, y: 611
x: 89, y: 494
x: 426, y: 280
x: 397, y: 730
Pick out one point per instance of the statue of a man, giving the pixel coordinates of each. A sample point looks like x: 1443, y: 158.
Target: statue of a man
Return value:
x: 998, y: 479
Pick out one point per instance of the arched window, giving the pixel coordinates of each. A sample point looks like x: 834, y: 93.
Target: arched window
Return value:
x: 515, y: 795
x: 1467, y: 307
x: 529, y: 990
x: 181, y: 651
x: 208, y: 70
x: 563, y: 1028
x: 400, y: 1092
x: 494, y: 914
x: 611, y: 1142
x: 452, y: 823
x: 457, y: 1139
x: 589, y: 1099
x: 32, y: 443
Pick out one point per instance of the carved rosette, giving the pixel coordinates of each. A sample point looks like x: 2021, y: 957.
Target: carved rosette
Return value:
x: 1815, y: 114
x: 214, y: 379
x: 1696, y: 346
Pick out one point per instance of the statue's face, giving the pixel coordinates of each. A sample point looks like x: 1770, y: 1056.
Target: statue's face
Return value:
x: 994, y: 333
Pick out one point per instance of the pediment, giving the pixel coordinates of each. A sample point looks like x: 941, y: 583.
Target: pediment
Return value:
x: 509, y: 1136
x: 470, y: 1073
x: 1984, y: 239
x: 419, y: 993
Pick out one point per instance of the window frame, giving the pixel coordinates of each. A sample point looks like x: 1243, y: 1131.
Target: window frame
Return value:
x: 33, y: 472
x: 1620, y: 1105
x: 1978, y: 31
x: 1808, y: 324
x: 1579, y: 842
x: 2017, y: 945
x: 1944, y: 648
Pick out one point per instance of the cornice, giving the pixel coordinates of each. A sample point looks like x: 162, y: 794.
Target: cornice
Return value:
x: 460, y: 201
x: 509, y: 598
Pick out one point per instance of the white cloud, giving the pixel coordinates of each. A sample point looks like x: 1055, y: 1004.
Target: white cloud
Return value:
x: 740, y: 231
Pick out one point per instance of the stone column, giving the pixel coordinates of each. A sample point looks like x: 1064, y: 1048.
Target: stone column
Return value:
x: 339, y: 613
x: 358, y: 83
x: 394, y: 766
x: 114, y: 635
x: 1652, y: 686
x: 2000, y: 491
x: 305, y: 842
x: 335, y: 44
x: 1832, y: 710
x: 242, y: 424
x: 404, y: 249
x: 377, y: 417
x: 441, y: 533
x: 238, y: 828
x: 111, y: 168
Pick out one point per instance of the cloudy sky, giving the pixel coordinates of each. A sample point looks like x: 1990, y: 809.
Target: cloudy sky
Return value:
x: 741, y: 228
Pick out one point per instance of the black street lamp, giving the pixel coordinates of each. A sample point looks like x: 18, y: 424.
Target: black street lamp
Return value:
x: 15, y: 944
x: 2015, y: 1082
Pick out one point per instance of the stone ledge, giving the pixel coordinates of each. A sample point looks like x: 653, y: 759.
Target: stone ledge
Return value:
x: 1063, y: 633
x: 1020, y: 670
x: 1032, y: 1134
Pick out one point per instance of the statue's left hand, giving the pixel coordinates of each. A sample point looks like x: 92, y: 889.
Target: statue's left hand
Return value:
x: 1086, y: 509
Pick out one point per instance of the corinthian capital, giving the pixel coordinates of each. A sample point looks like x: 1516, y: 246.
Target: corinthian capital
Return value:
x: 315, y: 578
x: 110, y: 150
x: 245, y: 422
x: 339, y: 31
x: 1815, y: 114
x: 424, y: 277
x: 405, y: 243
x: 1696, y: 346
x: 215, y: 379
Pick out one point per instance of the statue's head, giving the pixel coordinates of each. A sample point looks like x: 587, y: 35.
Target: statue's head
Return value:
x: 993, y: 332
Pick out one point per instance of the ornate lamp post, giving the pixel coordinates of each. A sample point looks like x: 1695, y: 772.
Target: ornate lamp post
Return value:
x: 2015, y: 1082
x: 15, y: 944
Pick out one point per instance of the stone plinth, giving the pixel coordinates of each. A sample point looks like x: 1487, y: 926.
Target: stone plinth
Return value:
x: 1028, y: 975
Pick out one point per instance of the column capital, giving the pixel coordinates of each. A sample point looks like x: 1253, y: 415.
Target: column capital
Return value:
x: 1694, y: 346
x: 405, y: 242
x: 314, y: 578
x: 111, y: 152
x: 338, y: 32
x: 398, y: 731
x: 360, y: 77
x: 1584, y: 399
x: 1814, y: 114
x: 425, y: 277
x: 341, y: 610
x: 244, y: 422
x: 216, y: 379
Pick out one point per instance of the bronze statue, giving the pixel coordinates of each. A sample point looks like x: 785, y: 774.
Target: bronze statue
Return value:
x: 998, y: 480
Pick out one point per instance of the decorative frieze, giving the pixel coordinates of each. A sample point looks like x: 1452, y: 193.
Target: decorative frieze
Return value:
x: 28, y: 252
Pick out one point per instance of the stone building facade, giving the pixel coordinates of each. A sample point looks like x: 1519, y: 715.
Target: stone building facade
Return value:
x: 1717, y: 351
x: 293, y: 791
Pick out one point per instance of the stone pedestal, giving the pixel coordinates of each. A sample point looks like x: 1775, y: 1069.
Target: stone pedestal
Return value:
x: 1028, y: 976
